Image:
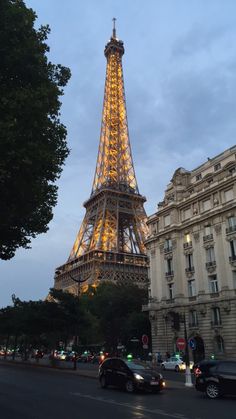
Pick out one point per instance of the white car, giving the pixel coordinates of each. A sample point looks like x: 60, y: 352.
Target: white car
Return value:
x: 175, y: 363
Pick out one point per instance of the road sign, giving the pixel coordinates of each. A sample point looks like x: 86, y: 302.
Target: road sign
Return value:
x: 192, y: 343
x: 145, y: 340
x: 181, y: 343
x: 145, y: 346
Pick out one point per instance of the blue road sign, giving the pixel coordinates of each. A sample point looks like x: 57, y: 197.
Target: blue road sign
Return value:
x: 192, y: 343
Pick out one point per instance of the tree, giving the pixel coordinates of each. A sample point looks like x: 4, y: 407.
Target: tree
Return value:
x: 118, y: 307
x: 32, y: 139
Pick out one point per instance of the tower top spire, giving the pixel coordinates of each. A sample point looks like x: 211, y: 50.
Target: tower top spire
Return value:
x: 114, y: 28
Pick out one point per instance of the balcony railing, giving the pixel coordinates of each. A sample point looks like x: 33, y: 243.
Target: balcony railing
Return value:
x: 169, y: 273
x: 208, y: 237
x: 211, y: 264
x: 189, y: 269
x: 187, y: 245
x: 193, y: 324
x: 215, y: 323
x: 230, y: 229
x: 167, y: 249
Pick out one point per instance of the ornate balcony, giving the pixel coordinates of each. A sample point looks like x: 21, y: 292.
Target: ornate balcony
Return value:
x: 168, y: 249
x: 187, y: 245
x: 208, y: 237
x: 169, y: 274
x: 190, y: 269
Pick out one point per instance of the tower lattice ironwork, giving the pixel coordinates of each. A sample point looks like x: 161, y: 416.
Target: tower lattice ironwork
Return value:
x: 110, y: 242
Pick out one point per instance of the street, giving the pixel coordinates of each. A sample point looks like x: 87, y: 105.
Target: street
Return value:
x: 35, y: 393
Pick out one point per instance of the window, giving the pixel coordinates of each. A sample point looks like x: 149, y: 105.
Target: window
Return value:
x: 189, y: 262
x: 169, y: 267
x: 187, y: 214
x: 232, y: 170
x: 234, y: 279
x: 193, y: 320
x: 206, y: 205
x: 207, y: 230
x: 227, y: 367
x: 187, y: 238
x: 217, y: 167
x: 215, y: 316
x: 231, y: 225
x: 229, y: 195
x: 213, y: 284
x: 210, y: 255
x: 191, y: 288
x: 219, y: 344
x: 198, y: 177
x: 232, y: 244
x: 167, y: 220
x: 232, y: 222
x: 168, y: 245
x: 154, y: 228
x: 171, y: 291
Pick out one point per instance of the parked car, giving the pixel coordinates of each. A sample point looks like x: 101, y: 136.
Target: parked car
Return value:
x: 130, y: 375
x: 216, y: 378
x: 175, y: 363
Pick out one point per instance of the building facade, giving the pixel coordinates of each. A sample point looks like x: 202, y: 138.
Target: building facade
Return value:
x: 192, y: 251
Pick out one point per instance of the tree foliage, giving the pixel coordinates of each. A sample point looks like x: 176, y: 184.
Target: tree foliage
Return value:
x: 110, y: 314
x: 32, y: 139
x: 118, y: 307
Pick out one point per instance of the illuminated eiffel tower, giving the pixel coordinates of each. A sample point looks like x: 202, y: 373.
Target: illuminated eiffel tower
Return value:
x: 110, y: 242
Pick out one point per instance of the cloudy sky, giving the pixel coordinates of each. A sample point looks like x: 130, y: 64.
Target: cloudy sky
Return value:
x: 180, y: 82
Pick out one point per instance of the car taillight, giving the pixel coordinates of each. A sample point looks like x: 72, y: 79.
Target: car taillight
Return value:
x: 197, y: 372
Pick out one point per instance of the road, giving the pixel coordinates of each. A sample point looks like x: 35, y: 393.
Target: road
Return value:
x: 39, y: 393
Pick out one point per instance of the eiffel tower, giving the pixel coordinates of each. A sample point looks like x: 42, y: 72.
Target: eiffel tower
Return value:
x: 110, y: 242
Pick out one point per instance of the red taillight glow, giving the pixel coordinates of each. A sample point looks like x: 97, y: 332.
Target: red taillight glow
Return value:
x: 197, y: 372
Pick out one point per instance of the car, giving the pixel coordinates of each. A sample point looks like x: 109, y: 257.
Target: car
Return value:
x: 216, y: 378
x: 61, y: 355
x: 130, y: 375
x: 175, y: 363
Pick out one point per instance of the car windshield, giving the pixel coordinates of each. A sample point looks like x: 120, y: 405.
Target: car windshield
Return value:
x: 136, y: 365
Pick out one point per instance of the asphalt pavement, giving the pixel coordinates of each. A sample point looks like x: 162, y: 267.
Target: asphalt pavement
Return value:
x: 27, y: 392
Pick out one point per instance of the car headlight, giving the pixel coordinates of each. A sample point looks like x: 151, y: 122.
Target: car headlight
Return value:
x: 138, y: 377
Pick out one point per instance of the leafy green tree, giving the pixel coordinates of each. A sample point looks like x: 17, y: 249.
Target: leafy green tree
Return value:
x: 32, y: 139
x: 119, y: 310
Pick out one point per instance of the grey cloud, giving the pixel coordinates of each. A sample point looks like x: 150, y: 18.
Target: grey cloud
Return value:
x: 198, y: 38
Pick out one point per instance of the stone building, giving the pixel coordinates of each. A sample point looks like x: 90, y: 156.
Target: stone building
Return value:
x: 192, y: 251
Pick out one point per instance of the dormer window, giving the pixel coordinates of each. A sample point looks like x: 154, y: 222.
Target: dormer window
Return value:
x: 217, y: 167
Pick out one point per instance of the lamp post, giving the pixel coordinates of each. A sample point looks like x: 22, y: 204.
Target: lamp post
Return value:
x: 78, y: 281
x: 188, y: 377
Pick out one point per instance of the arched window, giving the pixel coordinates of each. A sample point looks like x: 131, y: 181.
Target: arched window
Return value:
x: 219, y: 344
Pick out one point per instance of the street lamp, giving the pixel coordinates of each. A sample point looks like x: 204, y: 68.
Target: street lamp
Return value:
x: 188, y: 377
x: 78, y: 281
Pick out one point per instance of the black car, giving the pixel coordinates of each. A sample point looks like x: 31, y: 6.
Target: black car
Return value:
x: 216, y: 378
x: 130, y: 375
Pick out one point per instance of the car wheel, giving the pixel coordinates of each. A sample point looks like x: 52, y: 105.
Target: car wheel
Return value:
x: 103, y: 381
x: 129, y: 386
x: 176, y: 368
x: 212, y: 390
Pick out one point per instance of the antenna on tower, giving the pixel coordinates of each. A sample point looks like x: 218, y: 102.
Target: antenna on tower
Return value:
x: 114, y: 28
